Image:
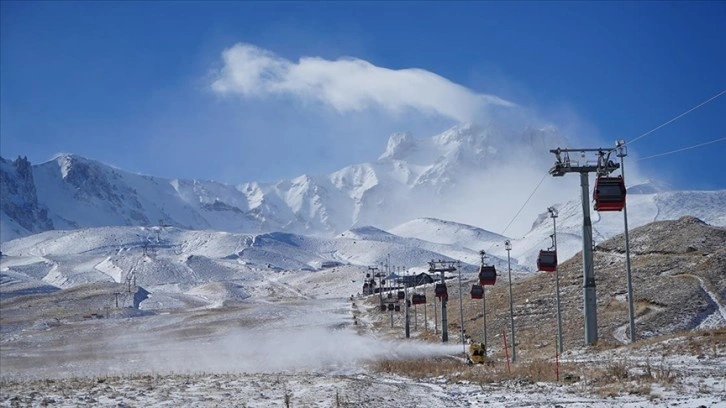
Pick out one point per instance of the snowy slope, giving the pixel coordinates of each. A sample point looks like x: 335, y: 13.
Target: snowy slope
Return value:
x: 463, y: 175
x: 215, y: 266
x: 418, y: 175
x: 652, y: 205
x: 709, y: 206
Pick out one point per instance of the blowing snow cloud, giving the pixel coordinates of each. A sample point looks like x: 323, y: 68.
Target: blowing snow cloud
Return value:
x: 346, y: 84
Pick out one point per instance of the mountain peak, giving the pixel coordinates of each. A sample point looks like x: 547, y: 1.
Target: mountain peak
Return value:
x: 399, y: 145
x: 464, y: 134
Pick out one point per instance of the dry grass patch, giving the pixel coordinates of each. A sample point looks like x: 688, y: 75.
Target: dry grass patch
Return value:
x: 492, y: 372
x: 623, y: 376
x: 420, y: 368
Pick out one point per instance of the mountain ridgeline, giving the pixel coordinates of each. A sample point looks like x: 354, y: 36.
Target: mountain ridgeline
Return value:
x: 450, y: 176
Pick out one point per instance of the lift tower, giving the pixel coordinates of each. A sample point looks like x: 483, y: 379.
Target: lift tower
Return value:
x: 443, y: 267
x: 602, y: 166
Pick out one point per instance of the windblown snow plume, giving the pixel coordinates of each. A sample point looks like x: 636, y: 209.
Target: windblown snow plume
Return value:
x: 347, y: 84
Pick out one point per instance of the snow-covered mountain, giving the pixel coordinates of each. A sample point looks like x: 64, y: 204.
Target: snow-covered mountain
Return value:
x: 463, y: 175
x: 173, y: 260
x: 20, y: 212
x: 419, y: 175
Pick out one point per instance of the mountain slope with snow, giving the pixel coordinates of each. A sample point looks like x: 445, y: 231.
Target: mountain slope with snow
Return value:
x: 419, y: 175
x: 464, y: 176
x: 173, y: 260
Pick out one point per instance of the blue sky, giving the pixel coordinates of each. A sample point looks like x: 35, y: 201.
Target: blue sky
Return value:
x: 160, y: 88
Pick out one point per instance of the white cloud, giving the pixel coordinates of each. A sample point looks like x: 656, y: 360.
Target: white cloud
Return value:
x: 347, y: 84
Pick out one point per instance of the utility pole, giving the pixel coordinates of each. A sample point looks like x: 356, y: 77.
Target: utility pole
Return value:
x: 442, y: 267
x: 461, y: 308
x: 622, y: 152
x: 426, y: 318
x: 553, y: 214
x: 380, y: 284
x: 508, y: 247
x: 405, y: 306
x: 444, y: 319
x: 562, y: 166
x: 436, y: 314
x: 484, y: 305
x: 373, y: 272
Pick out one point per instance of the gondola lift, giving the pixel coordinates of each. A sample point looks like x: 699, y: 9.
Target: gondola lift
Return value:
x: 477, y: 291
x: 547, y: 259
x: 609, y: 193
x: 487, y: 275
x: 440, y: 290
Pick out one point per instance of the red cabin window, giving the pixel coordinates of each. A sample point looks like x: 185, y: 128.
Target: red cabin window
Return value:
x: 440, y: 290
x: 487, y: 275
x: 547, y: 261
x: 609, y: 194
x: 477, y: 291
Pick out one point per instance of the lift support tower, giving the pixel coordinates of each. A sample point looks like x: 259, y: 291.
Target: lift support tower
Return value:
x: 603, y: 166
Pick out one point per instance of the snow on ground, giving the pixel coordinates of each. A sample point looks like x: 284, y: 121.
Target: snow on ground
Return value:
x: 311, y: 390
x: 297, y: 352
x: 223, y: 328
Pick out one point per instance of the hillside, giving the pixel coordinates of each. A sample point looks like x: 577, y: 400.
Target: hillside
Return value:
x: 678, y: 283
x: 225, y: 314
x: 466, y: 175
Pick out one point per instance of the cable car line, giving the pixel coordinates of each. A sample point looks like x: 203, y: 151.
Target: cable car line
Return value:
x: 683, y: 149
x: 626, y: 143
x: 677, y: 117
x: 520, y: 209
x: 524, y: 205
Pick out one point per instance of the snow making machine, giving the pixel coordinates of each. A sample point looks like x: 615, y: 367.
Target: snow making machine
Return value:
x: 477, y: 353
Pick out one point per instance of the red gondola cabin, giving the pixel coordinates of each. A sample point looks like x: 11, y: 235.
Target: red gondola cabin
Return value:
x: 547, y: 261
x: 487, y: 275
x: 418, y: 299
x: 401, y: 295
x: 440, y: 291
x: 609, y: 194
x: 477, y: 291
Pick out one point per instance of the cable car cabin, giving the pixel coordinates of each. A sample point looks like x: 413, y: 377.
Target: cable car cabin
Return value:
x: 383, y: 308
x: 547, y: 261
x: 397, y: 308
x: 609, y: 194
x: 418, y: 299
x: 401, y: 295
x: 477, y: 291
x: 487, y: 275
x: 440, y: 291
x: 390, y: 306
x: 389, y: 296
